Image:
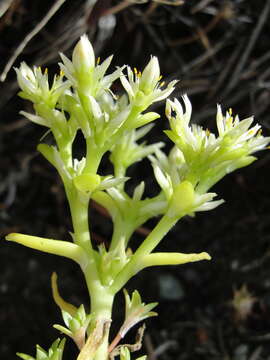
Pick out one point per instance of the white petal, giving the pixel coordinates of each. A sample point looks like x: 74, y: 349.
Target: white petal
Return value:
x: 188, y: 108
x: 177, y: 107
x: 220, y: 121
x: 138, y: 192
x: 209, y: 205
x: 127, y: 86
x: 143, y: 131
x: 67, y: 63
x: 116, y: 194
x: 163, y: 181
x: 118, y: 120
x: 109, y: 183
x: 95, y: 108
x: 109, y: 79
x: 150, y: 75
x: 168, y: 108
x: 162, y: 94
x: 35, y: 118
x: 102, y: 68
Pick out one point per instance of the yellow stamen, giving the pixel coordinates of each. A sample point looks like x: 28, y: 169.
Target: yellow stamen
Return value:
x: 98, y: 60
x: 46, y: 71
x: 162, y: 83
x: 230, y: 111
x: 160, y: 77
x: 207, y: 132
x: 135, y: 71
x: 61, y: 73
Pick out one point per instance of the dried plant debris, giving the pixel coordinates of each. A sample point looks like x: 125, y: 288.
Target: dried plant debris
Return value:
x: 217, y: 48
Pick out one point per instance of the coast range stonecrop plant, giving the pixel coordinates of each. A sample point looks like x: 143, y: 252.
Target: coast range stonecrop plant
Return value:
x: 81, y: 98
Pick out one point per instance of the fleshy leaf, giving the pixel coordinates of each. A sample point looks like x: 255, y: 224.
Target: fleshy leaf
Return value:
x: 76, y: 325
x: 55, y: 352
x: 136, y: 311
x: 67, y: 307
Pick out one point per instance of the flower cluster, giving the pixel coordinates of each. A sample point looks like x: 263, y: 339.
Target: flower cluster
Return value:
x: 206, y: 158
x: 145, y: 88
x: 80, y: 100
x: 199, y: 158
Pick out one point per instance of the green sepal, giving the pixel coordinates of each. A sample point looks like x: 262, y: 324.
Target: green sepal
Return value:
x: 55, y: 352
x: 25, y: 356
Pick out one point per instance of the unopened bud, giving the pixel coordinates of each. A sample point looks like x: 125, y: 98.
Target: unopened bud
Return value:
x: 150, y: 76
x: 83, y: 56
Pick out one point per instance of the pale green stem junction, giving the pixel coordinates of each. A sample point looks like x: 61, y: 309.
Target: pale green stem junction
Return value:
x: 150, y: 242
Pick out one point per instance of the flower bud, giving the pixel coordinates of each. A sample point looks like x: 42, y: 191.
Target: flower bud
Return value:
x: 83, y: 56
x: 150, y: 76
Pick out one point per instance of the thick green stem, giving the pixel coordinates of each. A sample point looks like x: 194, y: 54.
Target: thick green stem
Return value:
x: 104, y: 314
x: 151, y: 241
x: 120, y: 171
x: 122, y: 231
x: 64, y: 144
x: 66, y: 154
x: 101, y: 308
x: 79, y: 214
x: 157, y: 234
x: 93, y: 156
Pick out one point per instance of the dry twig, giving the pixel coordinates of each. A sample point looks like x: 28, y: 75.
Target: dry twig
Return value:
x: 253, y: 38
x: 56, y: 6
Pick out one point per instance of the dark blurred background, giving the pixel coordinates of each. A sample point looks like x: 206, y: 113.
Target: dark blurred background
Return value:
x: 220, y: 52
